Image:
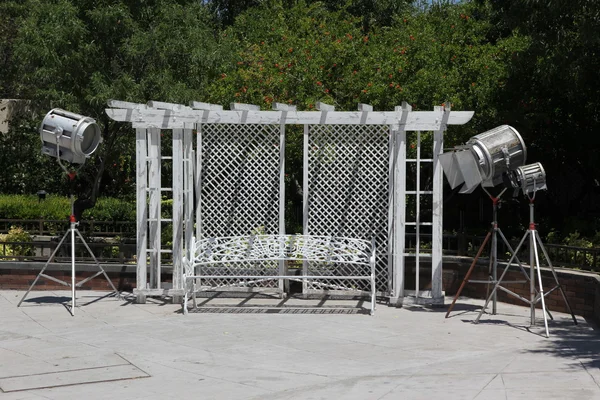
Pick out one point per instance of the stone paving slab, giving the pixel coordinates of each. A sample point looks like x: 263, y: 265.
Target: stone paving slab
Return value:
x: 247, y: 349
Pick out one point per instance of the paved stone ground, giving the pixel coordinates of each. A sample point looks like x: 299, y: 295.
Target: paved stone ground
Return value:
x: 115, y: 349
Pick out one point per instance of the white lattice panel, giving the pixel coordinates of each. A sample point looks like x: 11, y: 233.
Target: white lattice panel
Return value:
x: 239, y: 192
x: 348, y: 178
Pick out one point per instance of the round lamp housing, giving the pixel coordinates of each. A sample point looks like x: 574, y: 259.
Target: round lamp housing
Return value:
x: 530, y: 178
x: 497, y: 151
x: 69, y: 136
x: 484, y: 159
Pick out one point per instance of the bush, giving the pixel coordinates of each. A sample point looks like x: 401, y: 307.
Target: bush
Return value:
x: 17, y: 234
x: 59, y: 208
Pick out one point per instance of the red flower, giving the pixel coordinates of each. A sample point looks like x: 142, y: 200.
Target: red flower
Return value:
x: 319, y: 83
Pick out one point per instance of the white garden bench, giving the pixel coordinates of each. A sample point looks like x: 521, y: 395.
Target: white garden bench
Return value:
x: 222, y: 260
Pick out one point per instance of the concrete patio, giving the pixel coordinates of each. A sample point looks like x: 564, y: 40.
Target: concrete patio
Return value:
x: 121, y: 350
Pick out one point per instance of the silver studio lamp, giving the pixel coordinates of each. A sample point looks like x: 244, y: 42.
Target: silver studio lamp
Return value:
x: 484, y: 159
x: 69, y: 136
x: 528, y: 179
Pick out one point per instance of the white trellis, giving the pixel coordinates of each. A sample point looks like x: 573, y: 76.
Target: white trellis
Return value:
x: 355, y: 183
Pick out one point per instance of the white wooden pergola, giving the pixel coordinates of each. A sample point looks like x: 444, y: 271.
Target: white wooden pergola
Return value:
x: 355, y: 183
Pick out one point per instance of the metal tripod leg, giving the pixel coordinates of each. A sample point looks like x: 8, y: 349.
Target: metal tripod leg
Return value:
x: 541, y: 290
x: 555, y: 277
x: 487, y: 301
x: 468, y: 275
x: 513, y: 252
x: 520, y: 266
x: 46, y: 266
x: 102, y: 271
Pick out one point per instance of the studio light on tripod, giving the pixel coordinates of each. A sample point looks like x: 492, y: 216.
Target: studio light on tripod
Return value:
x: 527, y: 178
x: 68, y: 136
x: 72, y: 138
x: 484, y: 159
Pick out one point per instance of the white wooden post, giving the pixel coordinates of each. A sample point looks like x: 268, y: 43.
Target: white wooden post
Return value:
x: 399, y: 198
x: 141, y: 185
x: 305, y: 204
x: 284, y: 108
x: 437, y: 296
x: 154, y: 159
x: 188, y: 189
x: 178, y: 220
x: 390, y: 233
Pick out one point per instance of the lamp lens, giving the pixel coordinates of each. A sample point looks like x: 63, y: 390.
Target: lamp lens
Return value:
x: 89, y: 134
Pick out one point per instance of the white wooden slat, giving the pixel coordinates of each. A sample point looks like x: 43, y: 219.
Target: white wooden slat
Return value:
x: 205, y: 106
x: 283, y: 107
x: 324, y: 106
x: 420, y: 161
x: 167, y: 106
x: 168, y: 119
x: 124, y: 104
x: 244, y: 107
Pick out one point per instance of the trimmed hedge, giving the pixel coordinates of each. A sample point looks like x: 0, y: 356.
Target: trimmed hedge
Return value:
x: 59, y: 208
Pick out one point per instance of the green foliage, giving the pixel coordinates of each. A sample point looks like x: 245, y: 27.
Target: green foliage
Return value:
x: 512, y: 61
x: 59, y: 208
x: 551, y: 96
x: 23, y: 167
x: 79, y: 54
x: 17, y: 234
x: 306, y: 53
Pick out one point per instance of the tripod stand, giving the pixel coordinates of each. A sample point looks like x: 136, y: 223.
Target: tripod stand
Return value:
x: 72, y: 231
x: 493, y: 266
x: 534, y: 262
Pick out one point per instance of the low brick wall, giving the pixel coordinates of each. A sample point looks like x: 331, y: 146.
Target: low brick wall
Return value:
x: 582, y: 288
x: 20, y: 275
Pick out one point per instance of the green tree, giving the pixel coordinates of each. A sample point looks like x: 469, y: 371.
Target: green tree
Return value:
x: 551, y: 95
x: 78, y: 54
